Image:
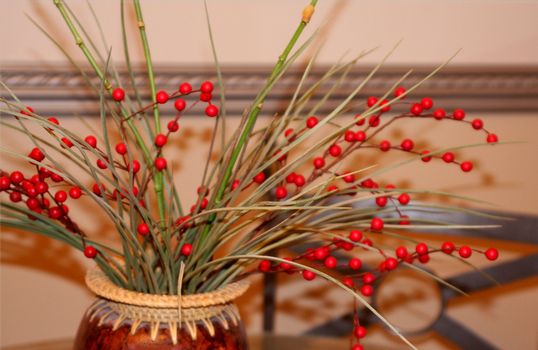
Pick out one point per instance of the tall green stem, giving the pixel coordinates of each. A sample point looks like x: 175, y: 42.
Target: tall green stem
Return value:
x: 254, y: 113
x: 158, y: 177
x: 108, y: 87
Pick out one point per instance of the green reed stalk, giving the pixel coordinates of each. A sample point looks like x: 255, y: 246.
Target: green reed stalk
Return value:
x: 158, y: 177
x: 255, y: 111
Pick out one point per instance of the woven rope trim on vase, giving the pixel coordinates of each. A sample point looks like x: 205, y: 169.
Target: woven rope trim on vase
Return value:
x: 99, y: 284
x: 116, y: 305
x: 192, y: 318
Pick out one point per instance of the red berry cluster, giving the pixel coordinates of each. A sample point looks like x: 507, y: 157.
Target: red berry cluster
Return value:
x: 35, y: 191
x: 361, y: 135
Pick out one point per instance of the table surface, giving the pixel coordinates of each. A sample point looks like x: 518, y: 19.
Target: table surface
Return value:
x: 261, y: 342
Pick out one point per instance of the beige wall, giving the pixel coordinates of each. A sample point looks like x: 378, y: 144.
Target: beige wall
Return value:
x: 38, y: 280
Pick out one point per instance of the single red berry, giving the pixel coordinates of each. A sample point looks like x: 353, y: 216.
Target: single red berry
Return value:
x: 360, y: 136
x: 368, y: 183
x: 118, y: 94
x: 424, y: 259
x: 53, y: 120
x: 381, y: 201
x: 367, y: 290
x: 281, y: 192
x: 30, y: 190
x: 370, y: 101
x: 360, y: 120
x: 185, y: 88
x: 391, y: 264
x: 285, y: 266
x: 308, y: 275
x: 492, y: 138
x: 427, y: 103
x: 15, y: 197
x: 448, y: 247
x: 407, y: 144
x: 374, y: 121
x: 349, y: 136
x: 291, y: 177
x: 368, y: 278
x: 206, y: 97
x: 32, y: 203
x: 204, y: 203
x: 425, y: 159
x: 404, y: 199
x: 311, y: 122
x: 136, y: 166
x: 235, y: 184
x: 180, y: 104
x: 288, y: 132
x: 377, y: 224
x: 5, y: 182
x: 399, y: 91
x: 492, y: 254
x: 36, y: 154
x: 335, y: 150
x: 143, y: 229
x: 91, y: 140
x: 173, y: 126
x: 386, y: 106
x: 97, y: 190
x: 186, y: 249
x: 75, y: 192
x: 332, y: 188
x: 466, y: 166
x: 102, y: 164
x: 465, y: 251
x: 348, y: 281
x: 67, y: 142
x: 319, y: 162
x: 121, y: 148
x: 448, y: 157
x: 264, y: 266
x: 349, y: 178
x: 401, y: 252
x: 259, y: 178
x: 160, y: 140
x: 359, y: 332
x: 206, y: 87
x: 211, y: 111
x: 162, y: 97
x: 160, y: 163
x: 384, y: 145
x: 41, y: 187
x: 90, y: 252
x: 44, y: 173
x: 321, y: 253
x: 439, y: 113
x: 355, y: 235
x: 421, y: 249
x: 35, y: 179
x: 416, y: 109
x: 355, y: 264
x: 477, y: 124
x: 55, y: 213
x: 459, y: 114
x: 299, y: 180
x: 330, y: 262
x: 60, y: 196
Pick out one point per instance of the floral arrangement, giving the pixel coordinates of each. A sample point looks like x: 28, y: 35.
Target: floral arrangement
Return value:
x: 273, y: 186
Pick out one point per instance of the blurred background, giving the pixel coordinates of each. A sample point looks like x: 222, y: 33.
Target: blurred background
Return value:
x: 494, y: 77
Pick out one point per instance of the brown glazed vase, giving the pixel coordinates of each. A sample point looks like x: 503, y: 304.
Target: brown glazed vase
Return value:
x: 127, y: 320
